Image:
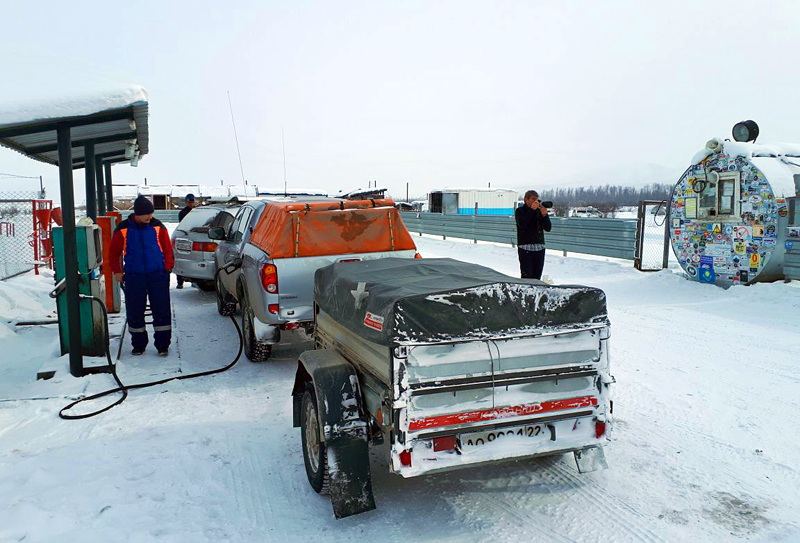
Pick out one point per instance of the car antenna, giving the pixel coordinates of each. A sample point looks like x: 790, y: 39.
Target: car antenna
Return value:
x: 238, y: 152
x: 283, y: 147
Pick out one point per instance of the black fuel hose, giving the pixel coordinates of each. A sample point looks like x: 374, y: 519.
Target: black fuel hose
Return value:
x: 125, y: 388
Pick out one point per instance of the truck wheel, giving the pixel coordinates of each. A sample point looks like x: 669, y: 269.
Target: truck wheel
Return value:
x: 225, y: 307
x: 254, y: 350
x: 315, y: 456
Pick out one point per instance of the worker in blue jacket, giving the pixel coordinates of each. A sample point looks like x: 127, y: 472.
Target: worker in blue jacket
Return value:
x: 141, y: 257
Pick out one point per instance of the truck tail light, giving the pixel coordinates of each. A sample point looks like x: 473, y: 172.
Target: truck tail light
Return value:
x: 417, y: 255
x: 273, y: 308
x: 291, y: 326
x: 204, y: 247
x: 269, y: 278
x: 446, y: 443
x: 599, y: 429
x: 405, y: 458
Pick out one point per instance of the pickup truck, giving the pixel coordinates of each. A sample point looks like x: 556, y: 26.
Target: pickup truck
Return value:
x: 278, y: 244
x: 450, y: 365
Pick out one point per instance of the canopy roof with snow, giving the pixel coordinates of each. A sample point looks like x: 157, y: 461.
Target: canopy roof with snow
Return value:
x: 115, y: 122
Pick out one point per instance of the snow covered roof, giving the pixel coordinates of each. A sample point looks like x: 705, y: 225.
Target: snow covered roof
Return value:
x: 114, y: 121
x: 474, y: 189
x: 359, y: 191
x: 779, y: 162
x: 279, y: 191
x: 125, y: 191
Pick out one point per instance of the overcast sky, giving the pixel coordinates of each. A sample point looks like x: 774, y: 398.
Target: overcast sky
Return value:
x: 519, y: 94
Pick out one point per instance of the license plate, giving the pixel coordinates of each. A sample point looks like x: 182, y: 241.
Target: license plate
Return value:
x: 479, y: 439
x: 183, y: 245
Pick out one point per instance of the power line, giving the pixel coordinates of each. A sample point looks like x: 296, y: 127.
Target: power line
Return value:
x: 15, y: 176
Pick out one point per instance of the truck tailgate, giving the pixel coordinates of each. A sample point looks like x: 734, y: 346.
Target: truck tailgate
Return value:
x: 548, y: 386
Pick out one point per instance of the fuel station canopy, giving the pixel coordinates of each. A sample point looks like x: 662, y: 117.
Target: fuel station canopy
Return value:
x: 93, y: 131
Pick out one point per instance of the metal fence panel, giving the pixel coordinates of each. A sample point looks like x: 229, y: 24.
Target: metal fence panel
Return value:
x: 166, y: 216
x: 791, y: 264
x: 16, y: 232
x: 603, y: 237
x: 652, y: 236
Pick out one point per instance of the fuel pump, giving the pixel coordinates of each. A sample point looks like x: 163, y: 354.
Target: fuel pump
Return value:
x: 90, y: 257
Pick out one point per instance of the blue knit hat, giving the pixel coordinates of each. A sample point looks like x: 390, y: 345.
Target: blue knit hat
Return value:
x: 142, y: 206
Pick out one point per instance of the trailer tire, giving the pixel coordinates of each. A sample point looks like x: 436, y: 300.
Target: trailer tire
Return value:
x: 254, y: 350
x: 225, y: 307
x: 315, y: 455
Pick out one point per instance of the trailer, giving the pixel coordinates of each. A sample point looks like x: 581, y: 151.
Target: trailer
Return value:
x: 472, y: 201
x: 450, y: 365
x: 730, y: 211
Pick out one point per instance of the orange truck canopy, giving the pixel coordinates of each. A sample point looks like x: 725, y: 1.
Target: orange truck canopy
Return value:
x: 291, y: 229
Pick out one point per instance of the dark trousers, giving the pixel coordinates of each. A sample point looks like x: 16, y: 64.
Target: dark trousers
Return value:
x: 531, y: 263
x: 180, y: 280
x: 139, y: 288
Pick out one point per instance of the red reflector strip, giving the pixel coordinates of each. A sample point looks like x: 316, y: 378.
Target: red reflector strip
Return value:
x: 273, y: 308
x: 405, y: 458
x: 504, y: 413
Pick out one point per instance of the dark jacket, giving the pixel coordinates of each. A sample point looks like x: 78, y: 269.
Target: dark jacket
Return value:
x: 531, y: 225
x: 185, y: 211
x: 144, y: 248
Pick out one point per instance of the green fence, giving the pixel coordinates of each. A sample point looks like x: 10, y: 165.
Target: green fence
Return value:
x: 603, y: 237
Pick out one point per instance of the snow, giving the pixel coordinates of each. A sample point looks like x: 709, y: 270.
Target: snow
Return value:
x: 19, y: 108
x: 704, y: 446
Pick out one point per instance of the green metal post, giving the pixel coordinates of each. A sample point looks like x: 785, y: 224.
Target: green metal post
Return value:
x: 101, y: 191
x: 91, y: 194
x: 109, y: 189
x: 70, y: 249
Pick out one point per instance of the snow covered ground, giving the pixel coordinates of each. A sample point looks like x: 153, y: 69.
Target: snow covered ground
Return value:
x: 704, y: 447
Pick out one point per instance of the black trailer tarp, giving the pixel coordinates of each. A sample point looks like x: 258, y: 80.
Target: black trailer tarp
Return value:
x: 391, y: 300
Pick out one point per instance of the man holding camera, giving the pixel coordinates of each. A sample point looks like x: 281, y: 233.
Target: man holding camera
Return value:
x: 532, y: 222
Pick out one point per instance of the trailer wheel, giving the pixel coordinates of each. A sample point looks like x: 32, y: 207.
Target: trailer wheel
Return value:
x: 225, y: 307
x: 254, y: 350
x: 315, y: 455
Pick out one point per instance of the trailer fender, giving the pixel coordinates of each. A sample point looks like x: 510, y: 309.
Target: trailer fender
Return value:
x: 345, y: 431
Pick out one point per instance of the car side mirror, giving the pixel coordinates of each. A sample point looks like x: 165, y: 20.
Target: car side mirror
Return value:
x: 216, y: 232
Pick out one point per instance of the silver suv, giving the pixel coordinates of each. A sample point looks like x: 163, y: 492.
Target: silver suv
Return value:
x: 277, y: 293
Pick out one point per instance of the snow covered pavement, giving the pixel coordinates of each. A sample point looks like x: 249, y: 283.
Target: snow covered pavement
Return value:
x: 704, y: 447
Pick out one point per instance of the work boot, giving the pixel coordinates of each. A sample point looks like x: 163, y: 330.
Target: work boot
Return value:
x: 165, y: 352
x: 137, y: 352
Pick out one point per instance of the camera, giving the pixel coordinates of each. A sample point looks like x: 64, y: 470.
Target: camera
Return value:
x: 548, y: 204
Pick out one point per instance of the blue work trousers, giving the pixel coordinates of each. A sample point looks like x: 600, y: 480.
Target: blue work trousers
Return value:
x: 139, y: 287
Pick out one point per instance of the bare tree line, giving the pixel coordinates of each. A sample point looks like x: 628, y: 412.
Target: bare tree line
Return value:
x: 606, y: 198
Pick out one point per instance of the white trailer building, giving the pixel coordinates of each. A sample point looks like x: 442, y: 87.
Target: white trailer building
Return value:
x: 465, y: 201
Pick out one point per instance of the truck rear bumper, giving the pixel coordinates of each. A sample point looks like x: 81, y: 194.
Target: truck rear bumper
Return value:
x: 195, y: 269
x: 423, y: 455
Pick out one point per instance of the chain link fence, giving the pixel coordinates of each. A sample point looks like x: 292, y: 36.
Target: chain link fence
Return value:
x: 16, y: 232
x: 652, y: 236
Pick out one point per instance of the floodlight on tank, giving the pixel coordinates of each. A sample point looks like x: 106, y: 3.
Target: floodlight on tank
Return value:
x: 745, y: 131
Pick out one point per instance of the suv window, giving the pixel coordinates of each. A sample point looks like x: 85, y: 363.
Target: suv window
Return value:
x: 239, y: 226
x: 224, y: 219
x: 198, y: 220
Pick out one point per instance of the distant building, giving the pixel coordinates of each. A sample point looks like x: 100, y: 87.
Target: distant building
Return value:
x: 465, y: 201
